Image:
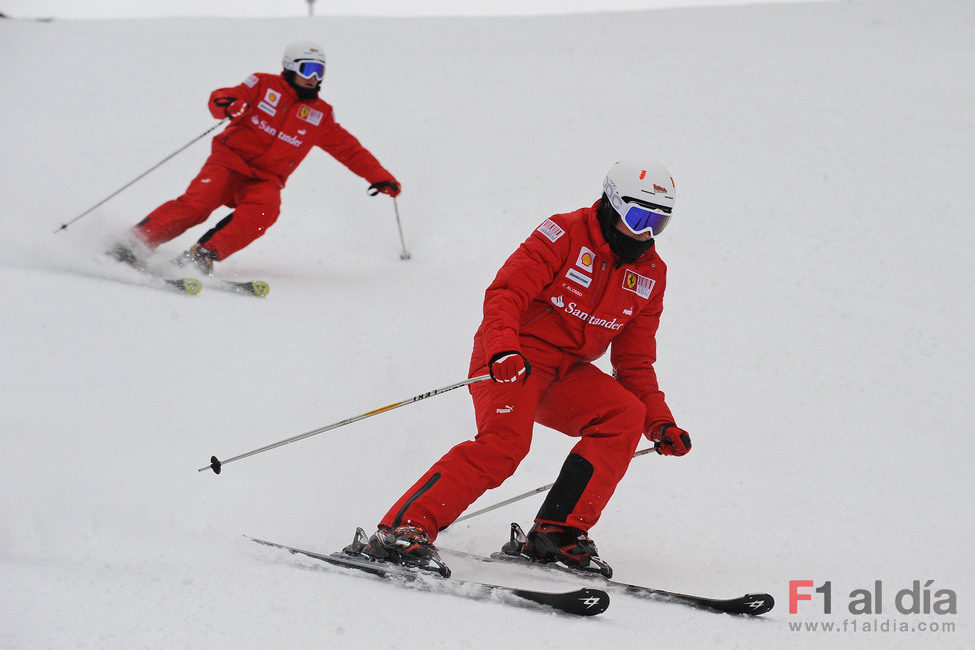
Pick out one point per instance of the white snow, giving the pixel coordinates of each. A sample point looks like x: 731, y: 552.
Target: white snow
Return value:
x: 815, y: 339
x: 72, y: 9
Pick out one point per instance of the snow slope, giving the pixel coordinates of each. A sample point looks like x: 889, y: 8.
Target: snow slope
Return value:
x: 99, y: 9
x: 814, y: 339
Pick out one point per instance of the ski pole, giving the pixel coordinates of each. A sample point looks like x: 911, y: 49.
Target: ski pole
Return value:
x: 216, y: 465
x: 64, y: 226
x: 537, y: 490
x: 405, y: 254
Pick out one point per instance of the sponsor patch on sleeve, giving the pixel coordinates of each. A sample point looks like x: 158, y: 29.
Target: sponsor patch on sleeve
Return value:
x: 578, y: 278
x: 638, y: 284
x: 251, y: 81
x: 551, y: 230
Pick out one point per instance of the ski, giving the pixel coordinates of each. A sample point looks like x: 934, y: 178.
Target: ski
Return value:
x: 580, y: 602
x: 186, y: 285
x: 192, y: 286
x: 752, y: 604
x: 189, y: 286
x: 256, y: 288
x: 749, y: 604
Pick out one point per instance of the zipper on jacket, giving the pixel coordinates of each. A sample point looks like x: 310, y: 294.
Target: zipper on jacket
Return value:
x: 597, y: 292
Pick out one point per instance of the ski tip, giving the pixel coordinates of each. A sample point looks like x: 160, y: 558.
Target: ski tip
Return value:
x: 592, y: 602
x: 260, y: 289
x: 756, y: 604
x: 191, y: 286
x: 186, y: 285
x: 257, y: 288
x: 581, y: 602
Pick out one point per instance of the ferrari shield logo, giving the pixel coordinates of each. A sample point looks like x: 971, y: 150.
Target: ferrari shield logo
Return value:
x: 310, y: 115
x: 638, y: 284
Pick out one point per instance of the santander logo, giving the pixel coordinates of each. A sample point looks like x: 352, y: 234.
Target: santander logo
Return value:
x: 573, y: 310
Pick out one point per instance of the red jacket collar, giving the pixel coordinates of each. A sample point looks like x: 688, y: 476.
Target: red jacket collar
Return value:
x: 595, y: 232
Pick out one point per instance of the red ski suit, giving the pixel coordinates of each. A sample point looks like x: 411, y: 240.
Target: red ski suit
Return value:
x: 250, y: 162
x: 561, y: 299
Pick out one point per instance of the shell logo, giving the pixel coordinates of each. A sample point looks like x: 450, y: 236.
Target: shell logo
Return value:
x: 272, y: 97
x: 585, y: 259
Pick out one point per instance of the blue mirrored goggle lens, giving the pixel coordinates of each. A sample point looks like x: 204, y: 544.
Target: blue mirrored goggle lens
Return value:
x: 309, y: 69
x: 640, y: 220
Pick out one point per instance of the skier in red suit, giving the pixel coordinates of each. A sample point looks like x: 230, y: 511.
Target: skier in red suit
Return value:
x: 581, y: 282
x: 275, y: 121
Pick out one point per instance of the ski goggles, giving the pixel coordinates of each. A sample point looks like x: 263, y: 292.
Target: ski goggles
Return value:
x: 641, y: 218
x: 637, y: 215
x: 309, y: 69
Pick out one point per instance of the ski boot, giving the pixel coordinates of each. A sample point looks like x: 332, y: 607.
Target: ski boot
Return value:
x: 124, y: 254
x: 406, y: 545
x: 564, y: 545
x: 198, y: 257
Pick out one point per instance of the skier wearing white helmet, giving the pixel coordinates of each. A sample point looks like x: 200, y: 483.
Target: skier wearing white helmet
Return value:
x: 303, y: 66
x: 275, y: 120
x: 583, y: 282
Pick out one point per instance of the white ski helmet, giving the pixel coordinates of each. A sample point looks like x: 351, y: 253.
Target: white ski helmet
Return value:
x: 304, y: 58
x: 643, y: 194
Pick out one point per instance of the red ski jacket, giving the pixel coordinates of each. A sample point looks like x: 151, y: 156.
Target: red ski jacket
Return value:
x: 563, y: 297
x: 279, y: 130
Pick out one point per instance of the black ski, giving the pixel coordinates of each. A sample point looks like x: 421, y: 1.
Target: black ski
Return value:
x: 186, y: 285
x: 581, y: 602
x: 749, y: 604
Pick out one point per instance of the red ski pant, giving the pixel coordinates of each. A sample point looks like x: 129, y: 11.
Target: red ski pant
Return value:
x: 581, y: 401
x: 256, y: 205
